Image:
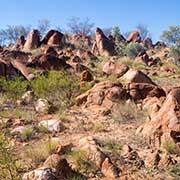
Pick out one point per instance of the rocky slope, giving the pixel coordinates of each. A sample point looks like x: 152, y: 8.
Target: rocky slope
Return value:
x: 84, y: 112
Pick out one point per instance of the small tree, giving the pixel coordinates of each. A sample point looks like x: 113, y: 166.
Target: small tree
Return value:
x: 133, y: 49
x: 76, y: 26
x: 171, y: 36
x: 12, y: 33
x: 43, y: 26
x: 143, y: 31
x: 116, y: 32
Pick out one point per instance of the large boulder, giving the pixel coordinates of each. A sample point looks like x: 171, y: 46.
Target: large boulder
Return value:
x: 143, y: 57
x: 33, y: 40
x: 140, y: 91
x: 54, y: 38
x: 54, y: 168
x: 104, y: 94
x: 95, y: 155
x: 112, y: 68
x: 102, y: 46
x: 134, y: 37
x: 165, y: 124
x: 147, y: 42
x: 57, y: 39
x: 49, y: 62
x: 80, y: 40
x: 135, y: 76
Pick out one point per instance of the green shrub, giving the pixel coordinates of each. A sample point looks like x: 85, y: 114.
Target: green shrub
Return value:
x: 38, y: 152
x: 13, y: 88
x: 175, y: 53
x: 8, y: 168
x: 133, y: 49
x: 57, y: 87
x: 120, y: 48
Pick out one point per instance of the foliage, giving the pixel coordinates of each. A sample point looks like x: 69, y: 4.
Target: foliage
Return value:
x: 172, y: 35
x: 133, y: 49
x: 116, y: 32
x: 39, y: 151
x: 175, y: 170
x: 175, y: 53
x: 13, y: 88
x: 8, y: 169
x: 143, y: 31
x: 43, y: 26
x: 76, y: 26
x: 56, y: 87
x: 127, y: 111
x: 12, y: 33
x: 120, y: 48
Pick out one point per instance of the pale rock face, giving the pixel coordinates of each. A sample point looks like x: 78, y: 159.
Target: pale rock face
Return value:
x: 40, y: 174
x: 136, y: 76
x: 28, y: 97
x: 52, y: 125
x: 32, y: 41
x: 164, y: 125
x: 42, y: 105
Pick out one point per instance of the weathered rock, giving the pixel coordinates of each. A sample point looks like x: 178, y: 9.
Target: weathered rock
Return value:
x: 86, y: 55
x: 42, y: 106
x: 103, y: 94
x: 57, y: 39
x: 93, y: 153
x: 80, y: 40
x: 54, y: 168
x: 103, y: 45
x: 134, y: 37
x: 20, y: 42
x: 135, y: 76
x: 40, y: 174
x: 76, y: 59
x: 86, y: 76
x: 159, y: 45
x: 166, y: 160
x: 49, y: 62
x: 165, y: 123
x: 139, y: 91
x: 147, y: 42
x: 108, y: 169
x: 32, y: 41
x: 27, y: 97
x: 126, y: 149
x: 143, y: 57
x: 152, y: 159
x: 51, y: 51
x: 51, y: 125
x: 111, y: 68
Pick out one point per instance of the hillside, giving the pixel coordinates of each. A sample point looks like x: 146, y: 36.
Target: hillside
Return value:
x: 75, y: 107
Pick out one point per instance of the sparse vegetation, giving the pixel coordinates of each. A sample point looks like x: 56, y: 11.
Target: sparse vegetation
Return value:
x: 127, y: 112
x: 133, y: 49
x: 39, y: 151
x: 8, y: 168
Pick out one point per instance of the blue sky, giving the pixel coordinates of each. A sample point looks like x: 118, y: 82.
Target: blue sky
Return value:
x: 156, y: 14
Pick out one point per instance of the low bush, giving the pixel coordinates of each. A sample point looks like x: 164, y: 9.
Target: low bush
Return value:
x: 175, y: 53
x: 120, y: 48
x: 133, y: 49
x: 8, y: 168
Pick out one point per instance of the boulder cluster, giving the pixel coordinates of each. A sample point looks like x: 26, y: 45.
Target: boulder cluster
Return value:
x: 111, y: 81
